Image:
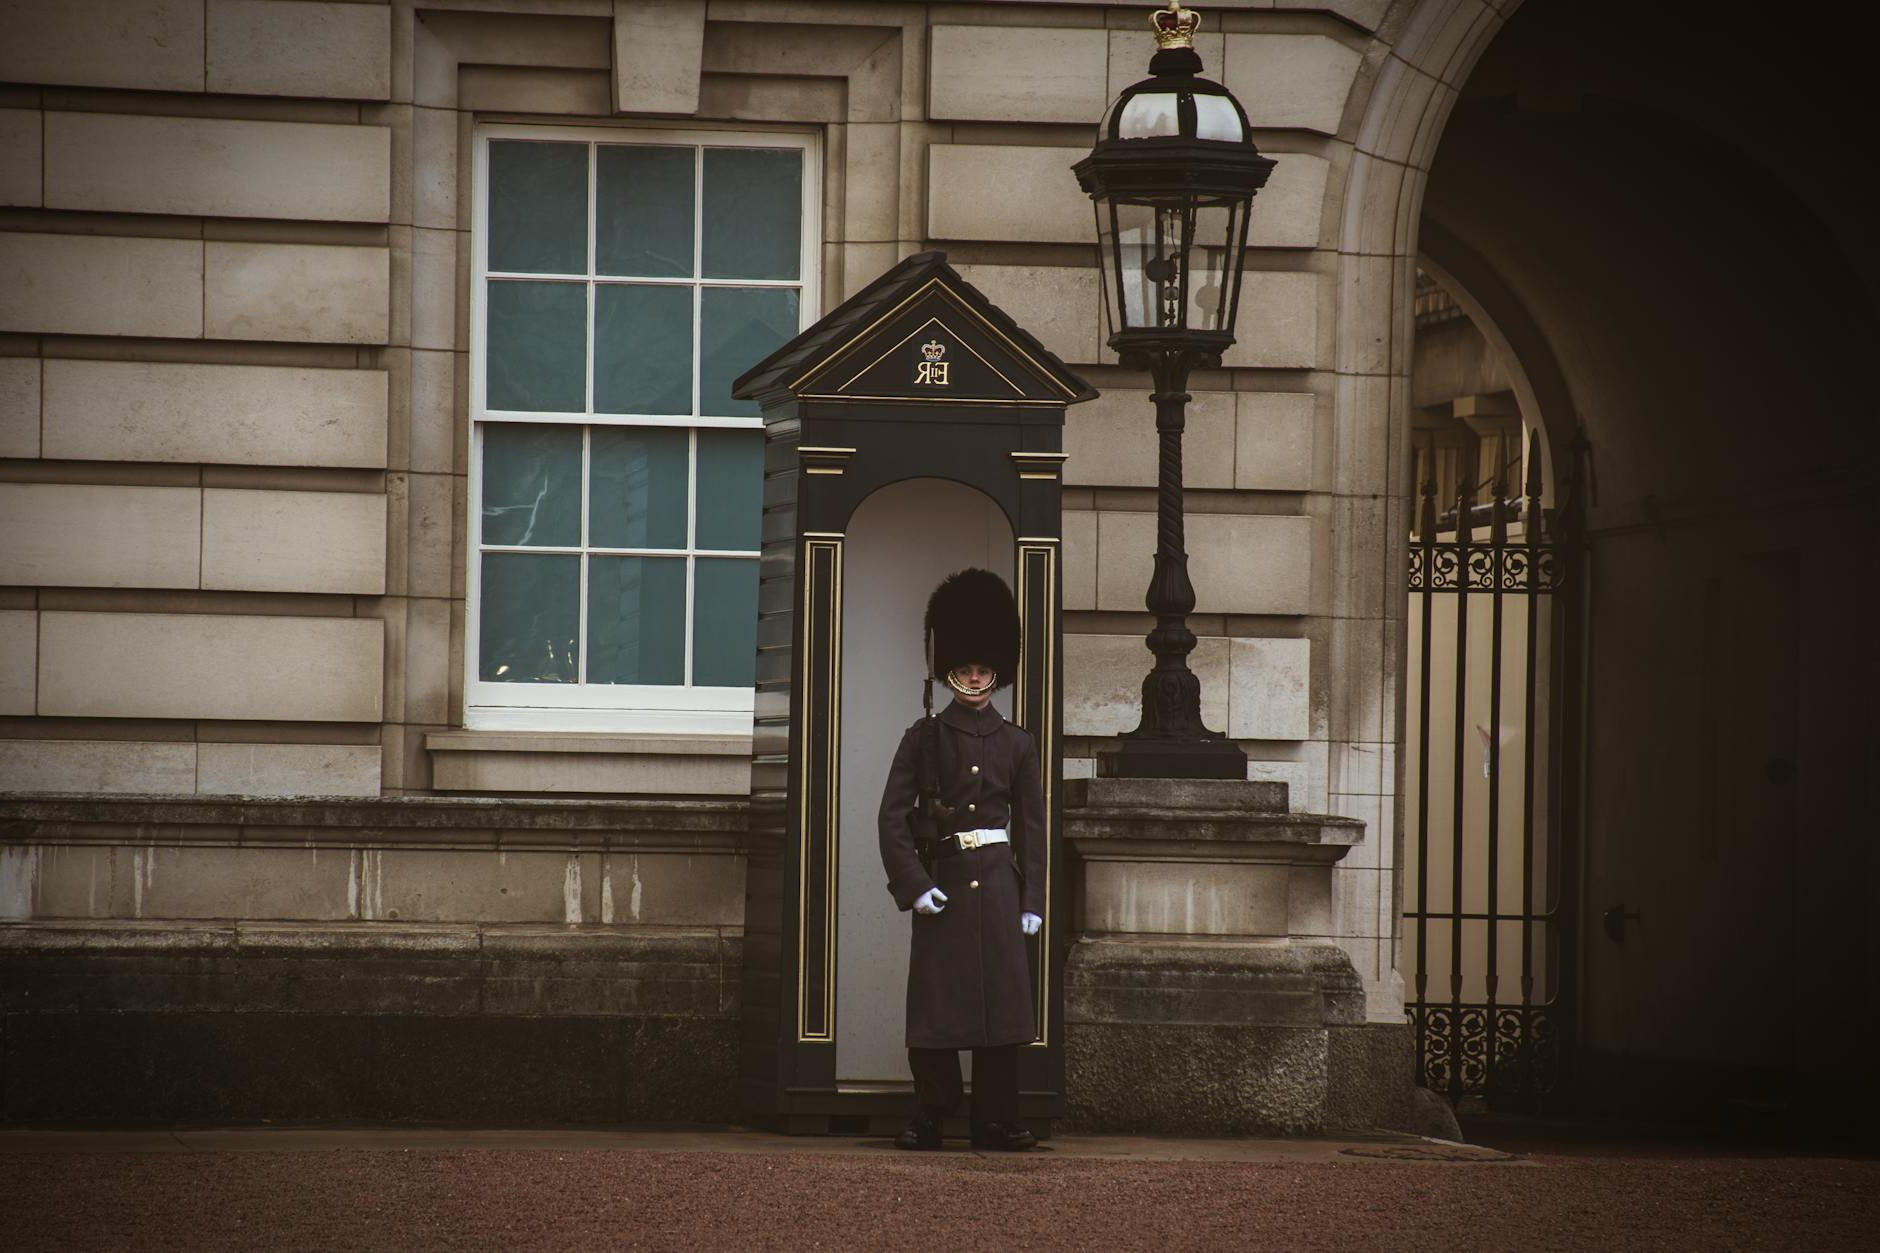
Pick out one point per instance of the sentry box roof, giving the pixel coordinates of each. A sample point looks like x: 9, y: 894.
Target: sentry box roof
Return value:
x: 918, y: 335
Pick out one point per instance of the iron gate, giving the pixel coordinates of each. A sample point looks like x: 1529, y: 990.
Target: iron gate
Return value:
x: 1490, y: 875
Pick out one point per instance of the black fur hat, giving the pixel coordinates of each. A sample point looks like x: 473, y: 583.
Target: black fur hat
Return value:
x: 972, y: 617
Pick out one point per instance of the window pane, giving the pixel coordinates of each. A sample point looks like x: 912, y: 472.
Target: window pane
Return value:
x: 753, y: 213
x: 738, y: 327
x: 531, y: 484
x: 637, y: 492
x: 536, y: 357
x: 730, y: 488
x: 642, y: 349
x: 538, y: 207
x: 529, y: 618
x: 636, y: 620
x: 724, y: 623
x: 643, y: 211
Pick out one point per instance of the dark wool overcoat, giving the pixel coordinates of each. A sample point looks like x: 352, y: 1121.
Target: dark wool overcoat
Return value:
x: 968, y: 983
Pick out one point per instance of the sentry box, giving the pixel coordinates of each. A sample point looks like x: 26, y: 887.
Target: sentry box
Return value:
x: 914, y: 431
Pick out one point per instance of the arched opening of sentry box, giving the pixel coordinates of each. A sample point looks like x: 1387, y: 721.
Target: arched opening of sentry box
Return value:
x: 903, y: 540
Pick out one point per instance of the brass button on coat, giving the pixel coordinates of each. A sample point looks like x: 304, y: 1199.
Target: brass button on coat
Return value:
x: 975, y: 769
x: 972, y: 809
x: 973, y: 884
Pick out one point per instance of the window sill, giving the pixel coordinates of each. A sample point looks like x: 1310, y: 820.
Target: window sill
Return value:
x: 574, y: 719
x: 586, y: 763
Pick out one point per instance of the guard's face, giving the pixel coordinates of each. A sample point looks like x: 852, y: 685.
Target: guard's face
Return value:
x: 973, y: 683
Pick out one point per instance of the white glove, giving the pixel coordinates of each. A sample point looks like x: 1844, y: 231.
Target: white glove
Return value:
x: 932, y: 901
x: 1029, y: 923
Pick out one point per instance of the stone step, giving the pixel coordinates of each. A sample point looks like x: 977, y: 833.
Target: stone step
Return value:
x: 1250, y: 795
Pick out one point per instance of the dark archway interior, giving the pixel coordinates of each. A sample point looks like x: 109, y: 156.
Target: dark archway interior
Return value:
x: 1677, y: 201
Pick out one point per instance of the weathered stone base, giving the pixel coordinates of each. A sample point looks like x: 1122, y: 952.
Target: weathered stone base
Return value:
x: 503, y: 1025
x: 1225, y: 1038
x: 1144, y: 1077
x: 1371, y: 1083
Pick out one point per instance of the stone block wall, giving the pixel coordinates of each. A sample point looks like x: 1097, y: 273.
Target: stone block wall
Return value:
x: 519, y: 961
x: 203, y: 583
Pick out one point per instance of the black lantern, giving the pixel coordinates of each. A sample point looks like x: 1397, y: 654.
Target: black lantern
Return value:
x: 1173, y: 174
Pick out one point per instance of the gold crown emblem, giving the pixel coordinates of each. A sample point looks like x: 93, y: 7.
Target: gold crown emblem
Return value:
x: 933, y: 350
x: 1175, y: 26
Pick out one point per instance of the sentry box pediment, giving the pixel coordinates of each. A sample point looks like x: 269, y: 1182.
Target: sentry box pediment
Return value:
x: 919, y: 335
x: 914, y: 430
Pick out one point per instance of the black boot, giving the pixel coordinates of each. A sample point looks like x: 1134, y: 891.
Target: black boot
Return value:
x: 921, y: 1132
x: 1003, y: 1137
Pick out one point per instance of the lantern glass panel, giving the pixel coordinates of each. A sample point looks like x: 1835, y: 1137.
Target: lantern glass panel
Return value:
x: 1142, y: 257
x: 1214, y: 238
x: 1106, y: 259
x: 1119, y: 226
x: 1216, y: 118
x: 1149, y: 115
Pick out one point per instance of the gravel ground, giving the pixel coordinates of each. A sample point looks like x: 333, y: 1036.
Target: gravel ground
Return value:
x: 875, y: 1198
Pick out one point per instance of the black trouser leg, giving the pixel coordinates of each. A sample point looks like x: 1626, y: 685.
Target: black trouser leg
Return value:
x: 936, y: 1080
x: 995, y: 1085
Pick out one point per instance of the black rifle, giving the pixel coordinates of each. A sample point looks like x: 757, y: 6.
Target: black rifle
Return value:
x: 932, y: 820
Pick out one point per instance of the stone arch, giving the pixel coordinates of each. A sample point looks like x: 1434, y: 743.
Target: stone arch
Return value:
x: 1416, y: 81
x: 1671, y: 263
x: 1426, y: 50
x: 1539, y: 383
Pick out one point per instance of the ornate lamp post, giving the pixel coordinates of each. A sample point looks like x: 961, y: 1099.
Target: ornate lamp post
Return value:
x: 1172, y: 176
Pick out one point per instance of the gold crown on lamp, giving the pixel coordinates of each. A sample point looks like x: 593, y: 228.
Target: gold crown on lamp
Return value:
x: 933, y: 350
x: 1175, y: 26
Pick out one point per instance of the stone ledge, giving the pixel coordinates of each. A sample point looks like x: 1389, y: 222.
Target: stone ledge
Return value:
x: 1314, y: 837
x: 317, y: 938
x: 590, y: 763
x: 660, y: 823
x: 586, y: 742
x: 1220, y: 795
x: 1138, y: 815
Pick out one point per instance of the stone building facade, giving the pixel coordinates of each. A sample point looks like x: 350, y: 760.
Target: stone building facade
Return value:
x: 290, y: 406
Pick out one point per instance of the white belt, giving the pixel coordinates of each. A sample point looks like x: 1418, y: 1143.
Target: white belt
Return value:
x: 982, y: 837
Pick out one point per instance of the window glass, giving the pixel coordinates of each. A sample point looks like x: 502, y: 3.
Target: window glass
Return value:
x: 644, y: 210
x: 753, y: 213
x: 636, y: 620
x: 637, y: 487
x: 642, y: 349
x: 724, y: 631
x: 538, y: 207
x: 730, y: 488
x: 532, y: 485
x: 738, y: 327
x: 536, y: 355
x: 528, y: 620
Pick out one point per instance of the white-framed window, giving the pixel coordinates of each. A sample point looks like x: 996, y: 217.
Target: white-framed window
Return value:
x: 623, y: 279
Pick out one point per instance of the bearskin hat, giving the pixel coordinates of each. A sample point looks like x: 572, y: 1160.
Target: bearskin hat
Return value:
x: 971, y: 617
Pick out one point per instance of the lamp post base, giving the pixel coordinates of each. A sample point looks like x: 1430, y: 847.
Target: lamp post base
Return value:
x: 1172, y: 759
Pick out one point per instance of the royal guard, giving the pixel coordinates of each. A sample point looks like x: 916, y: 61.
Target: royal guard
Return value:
x: 962, y: 839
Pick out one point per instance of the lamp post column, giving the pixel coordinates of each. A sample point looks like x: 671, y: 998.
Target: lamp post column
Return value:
x: 1171, y: 694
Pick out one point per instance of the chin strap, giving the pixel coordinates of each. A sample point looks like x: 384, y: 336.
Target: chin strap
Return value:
x: 964, y: 690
